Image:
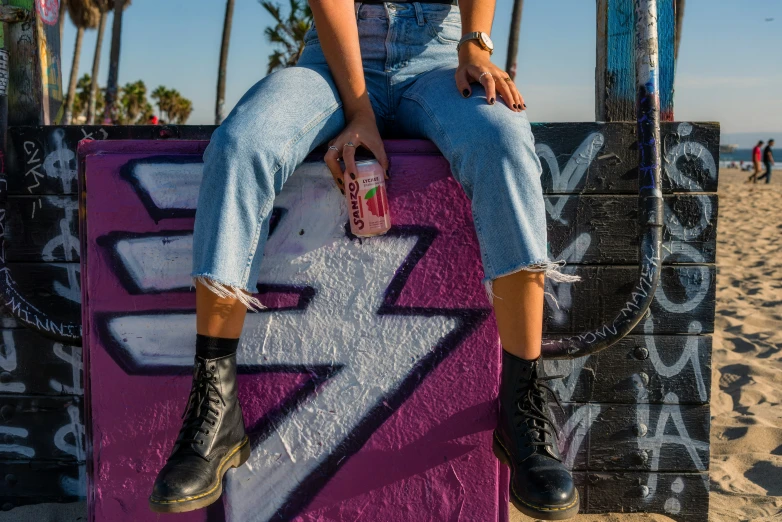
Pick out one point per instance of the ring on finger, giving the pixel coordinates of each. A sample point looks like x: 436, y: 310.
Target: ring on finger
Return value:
x: 349, y: 144
x: 508, y: 79
x: 480, y: 78
x: 332, y: 147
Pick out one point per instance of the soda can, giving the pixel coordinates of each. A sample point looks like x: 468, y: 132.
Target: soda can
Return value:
x: 367, y: 200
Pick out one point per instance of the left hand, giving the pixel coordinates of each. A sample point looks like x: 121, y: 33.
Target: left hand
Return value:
x: 473, y: 62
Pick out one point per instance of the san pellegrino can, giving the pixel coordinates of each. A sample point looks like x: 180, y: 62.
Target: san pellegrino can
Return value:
x: 367, y: 199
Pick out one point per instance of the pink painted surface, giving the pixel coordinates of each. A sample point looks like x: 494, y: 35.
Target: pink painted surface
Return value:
x: 429, y: 459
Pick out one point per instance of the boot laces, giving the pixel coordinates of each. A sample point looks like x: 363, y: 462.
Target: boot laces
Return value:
x: 532, y: 409
x: 200, y: 403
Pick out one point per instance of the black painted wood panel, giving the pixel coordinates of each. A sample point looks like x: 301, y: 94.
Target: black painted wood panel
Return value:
x: 680, y: 496
x: 23, y: 483
x: 639, y: 369
x: 41, y: 428
x: 42, y: 228
x: 684, y: 301
x: 31, y: 364
x: 48, y: 296
x: 604, y: 229
x: 635, y: 437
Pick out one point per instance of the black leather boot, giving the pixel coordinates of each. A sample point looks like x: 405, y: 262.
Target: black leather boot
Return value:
x: 211, y: 441
x: 525, y: 440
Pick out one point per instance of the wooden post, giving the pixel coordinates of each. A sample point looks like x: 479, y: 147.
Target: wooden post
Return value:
x: 513, y: 39
x: 615, y: 69
x: 35, y: 95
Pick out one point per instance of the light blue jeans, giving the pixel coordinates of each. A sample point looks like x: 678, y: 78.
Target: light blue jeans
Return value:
x: 409, y: 56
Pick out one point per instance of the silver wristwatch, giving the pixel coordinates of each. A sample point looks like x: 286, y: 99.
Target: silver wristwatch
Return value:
x: 483, y: 40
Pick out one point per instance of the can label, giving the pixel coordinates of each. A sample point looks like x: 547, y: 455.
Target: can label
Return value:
x: 367, y: 200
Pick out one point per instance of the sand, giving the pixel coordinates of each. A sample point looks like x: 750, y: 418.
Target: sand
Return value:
x: 746, y: 430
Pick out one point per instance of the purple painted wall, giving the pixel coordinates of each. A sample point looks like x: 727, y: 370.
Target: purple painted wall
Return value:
x: 380, y: 413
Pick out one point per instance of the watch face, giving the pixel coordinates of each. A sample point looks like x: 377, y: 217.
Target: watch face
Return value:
x: 487, y: 41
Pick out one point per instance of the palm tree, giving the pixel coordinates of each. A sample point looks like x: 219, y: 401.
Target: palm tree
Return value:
x: 160, y: 95
x: 513, y: 38
x: 288, y: 33
x: 133, y: 101
x: 110, y: 111
x: 229, y: 15
x: 84, y: 15
x: 679, y: 22
x: 104, y: 6
x: 177, y: 108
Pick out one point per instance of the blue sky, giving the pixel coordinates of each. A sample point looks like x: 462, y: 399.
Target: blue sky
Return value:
x: 729, y: 70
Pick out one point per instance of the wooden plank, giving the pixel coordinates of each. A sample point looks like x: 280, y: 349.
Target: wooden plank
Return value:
x: 7, y: 320
x: 48, y: 297
x: 680, y: 496
x: 600, y: 158
x: 684, y: 301
x: 604, y: 229
x: 576, y: 157
x: 42, y: 228
x: 629, y: 437
x: 35, y: 88
x: 31, y: 364
x: 36, y: 482
x: 45, y: 228
x: 615, y: 70
x: 651, y: 369
x: 37, y: 427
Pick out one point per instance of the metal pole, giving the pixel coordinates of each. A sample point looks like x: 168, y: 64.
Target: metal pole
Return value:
x: 649, y: 196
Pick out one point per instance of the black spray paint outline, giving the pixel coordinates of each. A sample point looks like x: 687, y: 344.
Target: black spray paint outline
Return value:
x: 468, y: 320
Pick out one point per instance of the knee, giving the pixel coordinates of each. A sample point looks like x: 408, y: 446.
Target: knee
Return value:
x: 504, y: 154
x: 235, y: 156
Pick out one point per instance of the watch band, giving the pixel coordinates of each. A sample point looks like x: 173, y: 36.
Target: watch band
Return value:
x: 475, y: 35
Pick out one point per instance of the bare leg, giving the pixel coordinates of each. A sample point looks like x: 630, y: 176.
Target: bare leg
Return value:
x: 218, y: 316
x: 518, y: 305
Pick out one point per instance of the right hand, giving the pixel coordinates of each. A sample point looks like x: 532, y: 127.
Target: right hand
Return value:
x: 360, y: 130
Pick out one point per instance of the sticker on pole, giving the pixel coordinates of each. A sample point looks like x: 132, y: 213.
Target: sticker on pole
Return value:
x: 48, y: 10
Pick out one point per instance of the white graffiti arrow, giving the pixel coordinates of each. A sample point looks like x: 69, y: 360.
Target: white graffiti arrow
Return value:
x: 340, y: 327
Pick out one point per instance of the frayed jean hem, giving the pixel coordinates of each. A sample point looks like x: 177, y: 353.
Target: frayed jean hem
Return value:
x: 551, y: 269
x: 225, y: 289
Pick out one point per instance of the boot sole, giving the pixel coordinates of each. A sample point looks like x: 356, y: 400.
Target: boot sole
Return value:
x: 235, y: 458
x: 532, y: 510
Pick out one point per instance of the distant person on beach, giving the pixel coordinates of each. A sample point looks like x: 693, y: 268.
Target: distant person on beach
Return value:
x: 153, y: 120
x: 756, y: 152
x: 768, y: 161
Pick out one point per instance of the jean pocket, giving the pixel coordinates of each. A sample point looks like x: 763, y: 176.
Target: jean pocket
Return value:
x: 444, y: 22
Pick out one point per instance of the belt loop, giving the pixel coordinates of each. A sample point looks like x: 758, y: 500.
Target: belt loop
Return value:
x: 419, y: 13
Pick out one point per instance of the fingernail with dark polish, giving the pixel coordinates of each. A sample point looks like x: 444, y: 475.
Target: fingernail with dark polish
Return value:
x: 514, y: 105
x: 352, y: 176
x: 525, y: 105
x: 340, y: 182
x: 491, y: 101
x: 343, y: 192
x: 465, y: 93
